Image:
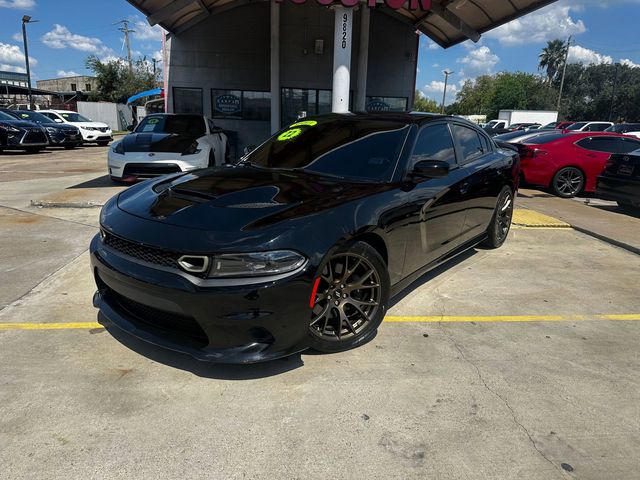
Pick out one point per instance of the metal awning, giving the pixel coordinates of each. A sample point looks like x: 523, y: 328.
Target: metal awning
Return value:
x: 447, y: 23
x: 6, y: 89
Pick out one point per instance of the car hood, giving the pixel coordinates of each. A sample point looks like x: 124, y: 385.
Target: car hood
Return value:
x: 20, y: 123
x: 240, y: 198
x: 89, y: 124
x: 59, y: 126
x: 156, y: 142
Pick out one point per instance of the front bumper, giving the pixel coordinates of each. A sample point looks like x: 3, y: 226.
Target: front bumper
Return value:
x: 223, y: 324
x: 62, y: 138
x: 92, y: 136
x: 130, y: 168
x: 624, y: 190
x: 26, y: 138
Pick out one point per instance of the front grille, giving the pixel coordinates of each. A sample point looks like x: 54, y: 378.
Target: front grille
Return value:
x: 149, y: 169
x: 35, y: 137
x: 102, y: 129
x: 142, y: 252
x: 147, y: 317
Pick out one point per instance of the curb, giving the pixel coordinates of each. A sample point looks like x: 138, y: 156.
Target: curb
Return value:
x: 611, y: 241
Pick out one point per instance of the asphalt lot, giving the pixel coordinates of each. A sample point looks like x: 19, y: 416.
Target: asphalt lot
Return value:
x: 519, y: 363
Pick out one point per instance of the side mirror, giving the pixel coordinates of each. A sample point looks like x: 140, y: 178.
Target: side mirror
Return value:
x: 57, y: 120
x: 430, y: 169
x: 130, y: 128
x: 248, y: 149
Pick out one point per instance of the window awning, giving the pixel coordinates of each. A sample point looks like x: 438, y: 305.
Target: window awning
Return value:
x: 447, y: 23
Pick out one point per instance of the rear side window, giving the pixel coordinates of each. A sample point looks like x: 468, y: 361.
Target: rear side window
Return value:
x: 434, y: 143
x: 468, y: 141
x: 599, y: 144
x: 627, y: 145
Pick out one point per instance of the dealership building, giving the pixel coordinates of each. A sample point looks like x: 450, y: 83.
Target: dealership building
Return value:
x: 254, y: 65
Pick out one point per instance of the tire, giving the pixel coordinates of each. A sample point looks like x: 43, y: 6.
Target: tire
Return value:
x: 568, y: 182
x: 103, y: 144
x: 500, y: 225
x: 630, y: 209
x: 362, y: 293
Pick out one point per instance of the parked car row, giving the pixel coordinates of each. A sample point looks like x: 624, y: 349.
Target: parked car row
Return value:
x: 33, y: 131
x: 571, y: 162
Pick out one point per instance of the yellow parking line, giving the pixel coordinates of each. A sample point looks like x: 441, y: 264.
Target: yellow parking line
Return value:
x: 530, y: 218
x: 508, y: 318
x: 49, y: 326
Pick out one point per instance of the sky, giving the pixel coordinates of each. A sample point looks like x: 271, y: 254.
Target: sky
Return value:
x: 604, y: 31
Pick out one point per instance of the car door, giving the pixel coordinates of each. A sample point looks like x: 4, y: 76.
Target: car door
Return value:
x: 434, y: 210
x: 477, y: 160
x: 592, y: 155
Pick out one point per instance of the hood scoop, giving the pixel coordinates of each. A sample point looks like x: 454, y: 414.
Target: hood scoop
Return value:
x: 257, y: 197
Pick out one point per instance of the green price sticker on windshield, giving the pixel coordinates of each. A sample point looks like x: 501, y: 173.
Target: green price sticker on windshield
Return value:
x: 153, y: 121
x: 295, y: 130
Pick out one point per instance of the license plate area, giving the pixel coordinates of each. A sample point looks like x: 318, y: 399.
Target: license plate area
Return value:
x: 625, y: 170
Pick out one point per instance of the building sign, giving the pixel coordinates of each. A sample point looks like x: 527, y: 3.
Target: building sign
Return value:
x: 423, y: 5
x: 378, y: 106
x: 228, y: 104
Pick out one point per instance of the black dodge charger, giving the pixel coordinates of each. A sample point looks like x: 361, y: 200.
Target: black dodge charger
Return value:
x: 304, y: 241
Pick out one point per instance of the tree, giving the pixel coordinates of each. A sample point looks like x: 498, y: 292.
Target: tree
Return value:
x: 116, y: 83
x: 423, y: 104
x: 552, y: 58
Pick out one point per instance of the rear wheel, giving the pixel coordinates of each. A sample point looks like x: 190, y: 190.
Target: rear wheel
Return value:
x: 351, y: 299
x: 568, y: 182
x: 501, y: 221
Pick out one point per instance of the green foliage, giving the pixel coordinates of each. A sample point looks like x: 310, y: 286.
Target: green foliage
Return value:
x: 424, y: 104
x: 488, y: 94
x: 552, y: 58
x: 116, y: 83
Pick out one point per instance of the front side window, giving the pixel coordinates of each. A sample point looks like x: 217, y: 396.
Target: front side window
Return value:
x: 351, y: 149
x: 173, y: 124
x: 468, y: 142
x: 434, y: 143
x: 599, y: 144
x: 187, y: 100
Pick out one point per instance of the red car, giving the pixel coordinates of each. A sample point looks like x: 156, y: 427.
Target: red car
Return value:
x: 569, y: 163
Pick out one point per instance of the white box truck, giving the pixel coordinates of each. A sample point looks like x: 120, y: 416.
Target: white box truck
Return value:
x: 507, y: 118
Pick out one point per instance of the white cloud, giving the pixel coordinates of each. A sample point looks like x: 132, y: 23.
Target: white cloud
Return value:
x: 546, y: 24
x: 435, y: 89
x: 12, y: 57
x: 436, y: 65
x: 17, y: 37
x: 12, y: 68
x: 65, y: 73
x: 629, y: 63
x: 578, y: 54
x: 144, y: 31
x: 61, y: 37
x: 21, y: 4
x: 480, y: 61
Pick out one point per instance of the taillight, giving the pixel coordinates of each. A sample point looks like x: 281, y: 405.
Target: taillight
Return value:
x: 610, y: 162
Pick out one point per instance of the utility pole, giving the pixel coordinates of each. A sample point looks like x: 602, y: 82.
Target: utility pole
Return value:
x: 126, y: 30
x: 154, y: 60
x: 446, y: 82
x: 564, y: 72
x: 613, y: 95
x: 27, y: 19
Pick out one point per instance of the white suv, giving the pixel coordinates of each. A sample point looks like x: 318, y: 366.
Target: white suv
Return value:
x: 92, y: 132
x: 589, y: 126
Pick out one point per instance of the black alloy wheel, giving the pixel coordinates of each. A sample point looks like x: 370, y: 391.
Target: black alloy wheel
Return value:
x: 351, y: 299
x: 500, y: 225
x: 568, y: 182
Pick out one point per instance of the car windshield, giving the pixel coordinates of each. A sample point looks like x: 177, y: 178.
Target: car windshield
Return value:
x: 624, y: 127
x: 6, y: 116
x: 577, y: 126
x: 32, y: 116
x: 174, y: 124
x: 74, y: 117
x: 350, y: 148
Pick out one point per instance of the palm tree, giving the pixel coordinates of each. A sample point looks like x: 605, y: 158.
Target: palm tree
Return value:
x: 552, y: 58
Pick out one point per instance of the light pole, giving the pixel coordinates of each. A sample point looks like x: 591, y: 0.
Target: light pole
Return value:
x: 613, y: 94
x: 446, y: 82
x: 564, y: 72
x: 27, y: 19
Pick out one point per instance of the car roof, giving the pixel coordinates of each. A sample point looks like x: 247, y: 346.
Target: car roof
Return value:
x: 407, y: 118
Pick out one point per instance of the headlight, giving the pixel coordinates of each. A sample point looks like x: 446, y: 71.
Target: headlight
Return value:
x: 118, y: 148
x: 255, y: 264
x: 9, y: 128
x: 193, y: 149
x: 52, y: 130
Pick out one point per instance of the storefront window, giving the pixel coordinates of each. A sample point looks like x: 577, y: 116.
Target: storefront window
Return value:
x: 187, y: 100
x: 241, y: 105
x: 386, y: 104
x: 295, y: 101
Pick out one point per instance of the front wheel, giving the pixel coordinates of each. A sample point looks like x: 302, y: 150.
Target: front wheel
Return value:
x: 568, y: 182
x: 501, y: 221
x: 351, y: 298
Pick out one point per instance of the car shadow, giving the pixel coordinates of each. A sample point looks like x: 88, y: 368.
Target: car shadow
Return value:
x: 200, y: 368
x: 99, y: 182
